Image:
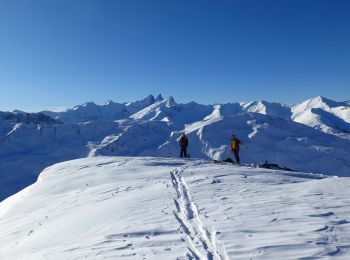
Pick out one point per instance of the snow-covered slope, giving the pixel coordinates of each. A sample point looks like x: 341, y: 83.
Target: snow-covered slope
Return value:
x: 168, y: 110
x: 321, y: 113
x: 324, y: 114
x: 265, y: 138
x: 318, y: 112
x: 267, y: 108
x: 27, y: 149
x: 152, y: 126
x: 20, y: 117
x: 109, y: 111
x: 157, y: 208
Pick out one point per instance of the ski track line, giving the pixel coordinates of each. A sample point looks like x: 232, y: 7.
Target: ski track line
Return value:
x: 202, y: 244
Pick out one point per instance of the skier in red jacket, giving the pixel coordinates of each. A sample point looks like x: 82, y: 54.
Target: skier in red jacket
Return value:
x: 234, y: 147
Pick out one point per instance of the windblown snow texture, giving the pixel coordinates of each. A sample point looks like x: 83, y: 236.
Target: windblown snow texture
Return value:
x: 312, y: 136
x: 158, y: 208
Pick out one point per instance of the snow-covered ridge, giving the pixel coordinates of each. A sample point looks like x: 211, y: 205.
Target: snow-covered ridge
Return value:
x: 109, y: 111
x: 297, y: 136
x: 167, y: 109
x: 324, y: 114
x: 158, y: 208
x: 17, y: 117
x: 151, y: 108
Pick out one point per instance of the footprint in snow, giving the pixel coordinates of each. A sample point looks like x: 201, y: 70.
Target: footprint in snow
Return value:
x: 216, y: 181
x: 324, y: 228
x: 326, y: 214
x: 341, y: 222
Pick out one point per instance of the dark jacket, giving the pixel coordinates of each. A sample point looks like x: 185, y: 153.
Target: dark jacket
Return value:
x: 183, y: 141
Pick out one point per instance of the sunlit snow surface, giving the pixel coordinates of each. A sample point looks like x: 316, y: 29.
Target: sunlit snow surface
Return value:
x: 296, y: 136
x: 156, y: 208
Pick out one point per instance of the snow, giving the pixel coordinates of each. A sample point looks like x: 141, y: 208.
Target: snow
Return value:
x: 179, y: 114
x: 27, y: 149
x: 153, y: 108
x: 324, y: 114
x: 297, y: 136
x: 109, y: 111
x: 163, y: 208
x: 265, y: 138
x: 266, y: 108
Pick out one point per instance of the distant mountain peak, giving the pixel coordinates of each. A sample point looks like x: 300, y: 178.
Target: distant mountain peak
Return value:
x: 159, y: 98
x: 89, y: 104
x: 149, y: 99
x: 170, y: 102
x: 28, y: 118
x: 109, y: 103
x: 140, y: 104
x: 321, y: 101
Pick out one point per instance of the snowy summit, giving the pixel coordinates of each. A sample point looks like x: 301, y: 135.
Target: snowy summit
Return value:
x: 157, y: 208
x: 105, y: 181
x: 296, y: 136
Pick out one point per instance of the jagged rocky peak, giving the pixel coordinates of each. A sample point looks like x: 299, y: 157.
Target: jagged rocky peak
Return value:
x: 140, y: 104
x: 255, y: 106
x: 86, y: 105
x: 149, y: 99
x: 170, y: 102
x: 159, y: 98
x: 89, y: 104
x: 110, y: 103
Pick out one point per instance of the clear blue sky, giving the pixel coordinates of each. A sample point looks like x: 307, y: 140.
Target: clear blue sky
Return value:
x: 57, y: 53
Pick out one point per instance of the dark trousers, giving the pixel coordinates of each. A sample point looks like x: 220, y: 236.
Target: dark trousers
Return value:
x: 236, y: 153
x: 183, y: 152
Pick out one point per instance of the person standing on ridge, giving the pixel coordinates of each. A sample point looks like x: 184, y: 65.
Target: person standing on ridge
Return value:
x: 234, y: 147
x: 183, y: 142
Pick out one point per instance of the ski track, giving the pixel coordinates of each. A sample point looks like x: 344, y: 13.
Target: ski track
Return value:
x: 202, y: 244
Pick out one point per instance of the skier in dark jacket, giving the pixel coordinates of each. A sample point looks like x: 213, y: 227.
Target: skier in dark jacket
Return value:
x: 234, y: 147
x: 183, y: 142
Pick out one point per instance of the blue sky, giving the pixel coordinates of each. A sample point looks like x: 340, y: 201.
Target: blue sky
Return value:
x: 60, y: 53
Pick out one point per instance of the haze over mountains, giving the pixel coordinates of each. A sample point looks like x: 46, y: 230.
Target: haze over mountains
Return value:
x: 312, y: 136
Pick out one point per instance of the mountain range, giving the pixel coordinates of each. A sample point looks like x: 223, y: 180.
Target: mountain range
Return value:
x: 312, y: 136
